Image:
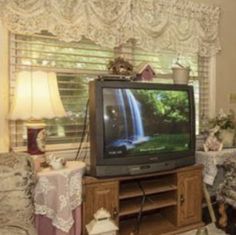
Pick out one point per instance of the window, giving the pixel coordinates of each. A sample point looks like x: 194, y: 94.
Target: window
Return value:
x: 75, y: 64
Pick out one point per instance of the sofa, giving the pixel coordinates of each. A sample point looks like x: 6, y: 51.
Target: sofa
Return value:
x: 17, y: 180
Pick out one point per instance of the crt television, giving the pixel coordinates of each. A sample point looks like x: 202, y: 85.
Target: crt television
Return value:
x: 138, y: 128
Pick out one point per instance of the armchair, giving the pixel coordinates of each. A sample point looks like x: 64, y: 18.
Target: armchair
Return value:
x: 16, y: 198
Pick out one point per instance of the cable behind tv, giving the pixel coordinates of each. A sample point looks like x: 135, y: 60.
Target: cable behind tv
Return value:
x: 83, y: 134
x: 139, y: 216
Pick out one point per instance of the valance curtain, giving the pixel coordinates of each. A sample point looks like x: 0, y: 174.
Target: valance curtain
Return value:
x: 179, y: 25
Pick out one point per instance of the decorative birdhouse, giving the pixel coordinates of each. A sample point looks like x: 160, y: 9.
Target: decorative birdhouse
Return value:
x: 145, y: 72
x: 102, y: 224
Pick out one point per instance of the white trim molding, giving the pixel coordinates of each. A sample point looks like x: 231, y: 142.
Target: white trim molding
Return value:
x: 212, y: 87
x: 4, y: 89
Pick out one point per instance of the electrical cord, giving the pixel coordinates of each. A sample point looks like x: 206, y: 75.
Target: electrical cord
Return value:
x: 139, y: 217
x: 83, y: 132
x: 86, y: 151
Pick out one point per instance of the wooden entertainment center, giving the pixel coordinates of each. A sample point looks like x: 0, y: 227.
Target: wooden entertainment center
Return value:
x: 170, y: 201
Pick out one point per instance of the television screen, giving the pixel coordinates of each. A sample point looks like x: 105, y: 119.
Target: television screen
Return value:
x: 140, y: 122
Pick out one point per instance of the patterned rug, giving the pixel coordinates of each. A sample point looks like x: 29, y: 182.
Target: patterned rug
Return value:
x: 212, y: 230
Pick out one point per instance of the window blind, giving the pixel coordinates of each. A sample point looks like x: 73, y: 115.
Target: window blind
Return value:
x: 75, y: 64
x: 162, y: 63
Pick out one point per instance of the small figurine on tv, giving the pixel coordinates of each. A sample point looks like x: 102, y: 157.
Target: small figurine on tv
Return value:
x: 212, y: 143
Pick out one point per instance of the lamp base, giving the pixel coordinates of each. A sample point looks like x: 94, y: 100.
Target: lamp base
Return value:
x: 36, y: 135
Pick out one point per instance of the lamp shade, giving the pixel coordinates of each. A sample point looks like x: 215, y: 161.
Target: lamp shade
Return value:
x: 36, y: 96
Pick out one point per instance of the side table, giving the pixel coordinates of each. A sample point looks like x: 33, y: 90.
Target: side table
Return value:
x: 57, y: 200
x: 211, y: 161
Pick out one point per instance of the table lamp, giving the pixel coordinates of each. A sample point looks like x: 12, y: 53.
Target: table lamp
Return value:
x: 36, y: 98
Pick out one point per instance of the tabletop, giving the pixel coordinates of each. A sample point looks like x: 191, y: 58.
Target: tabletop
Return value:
x: 211, y: 160
x: 59, y: 192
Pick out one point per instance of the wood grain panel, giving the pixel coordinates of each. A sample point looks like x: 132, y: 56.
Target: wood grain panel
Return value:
x: 104, y: 195
x: 189, y: 197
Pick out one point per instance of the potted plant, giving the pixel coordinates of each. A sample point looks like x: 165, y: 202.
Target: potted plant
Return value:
x: 180, y: 73
x: 227, y: 124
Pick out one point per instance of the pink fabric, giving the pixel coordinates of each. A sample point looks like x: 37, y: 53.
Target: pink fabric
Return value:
x: 44, y: 225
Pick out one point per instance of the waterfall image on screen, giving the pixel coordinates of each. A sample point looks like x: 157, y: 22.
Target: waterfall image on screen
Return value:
x: 139, y: 121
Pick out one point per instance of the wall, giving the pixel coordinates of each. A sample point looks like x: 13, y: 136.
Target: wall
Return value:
x: 226, y: 59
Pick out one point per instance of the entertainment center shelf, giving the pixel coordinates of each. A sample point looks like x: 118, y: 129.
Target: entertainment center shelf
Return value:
x: 169, y: 201
x: 129, y: 190
x: 153, y: 202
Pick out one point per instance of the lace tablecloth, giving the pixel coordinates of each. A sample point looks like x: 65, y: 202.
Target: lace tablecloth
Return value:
x: 227, y: 191
x: 58, y: 193
x: 211, y: 160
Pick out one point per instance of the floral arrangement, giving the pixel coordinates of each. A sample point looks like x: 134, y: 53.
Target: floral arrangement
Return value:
x: 212, y: 143
x: 120, y: 66
x: 223, y: 120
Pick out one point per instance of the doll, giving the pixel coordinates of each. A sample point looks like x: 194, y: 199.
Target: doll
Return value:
x: 212, y: 143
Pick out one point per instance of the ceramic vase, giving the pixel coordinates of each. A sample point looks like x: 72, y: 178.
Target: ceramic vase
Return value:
x: 181, y: 75
x: 227, y: 137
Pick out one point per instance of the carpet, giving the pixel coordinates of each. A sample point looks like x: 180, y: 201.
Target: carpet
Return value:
x: 212, y: 230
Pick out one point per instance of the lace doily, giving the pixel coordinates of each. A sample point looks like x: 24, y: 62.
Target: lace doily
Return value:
x: 211, y: 160
x: 58, y: 193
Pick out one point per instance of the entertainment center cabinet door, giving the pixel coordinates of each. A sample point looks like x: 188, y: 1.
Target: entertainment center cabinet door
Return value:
x: 100, y: 195
x: 189, y: 197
